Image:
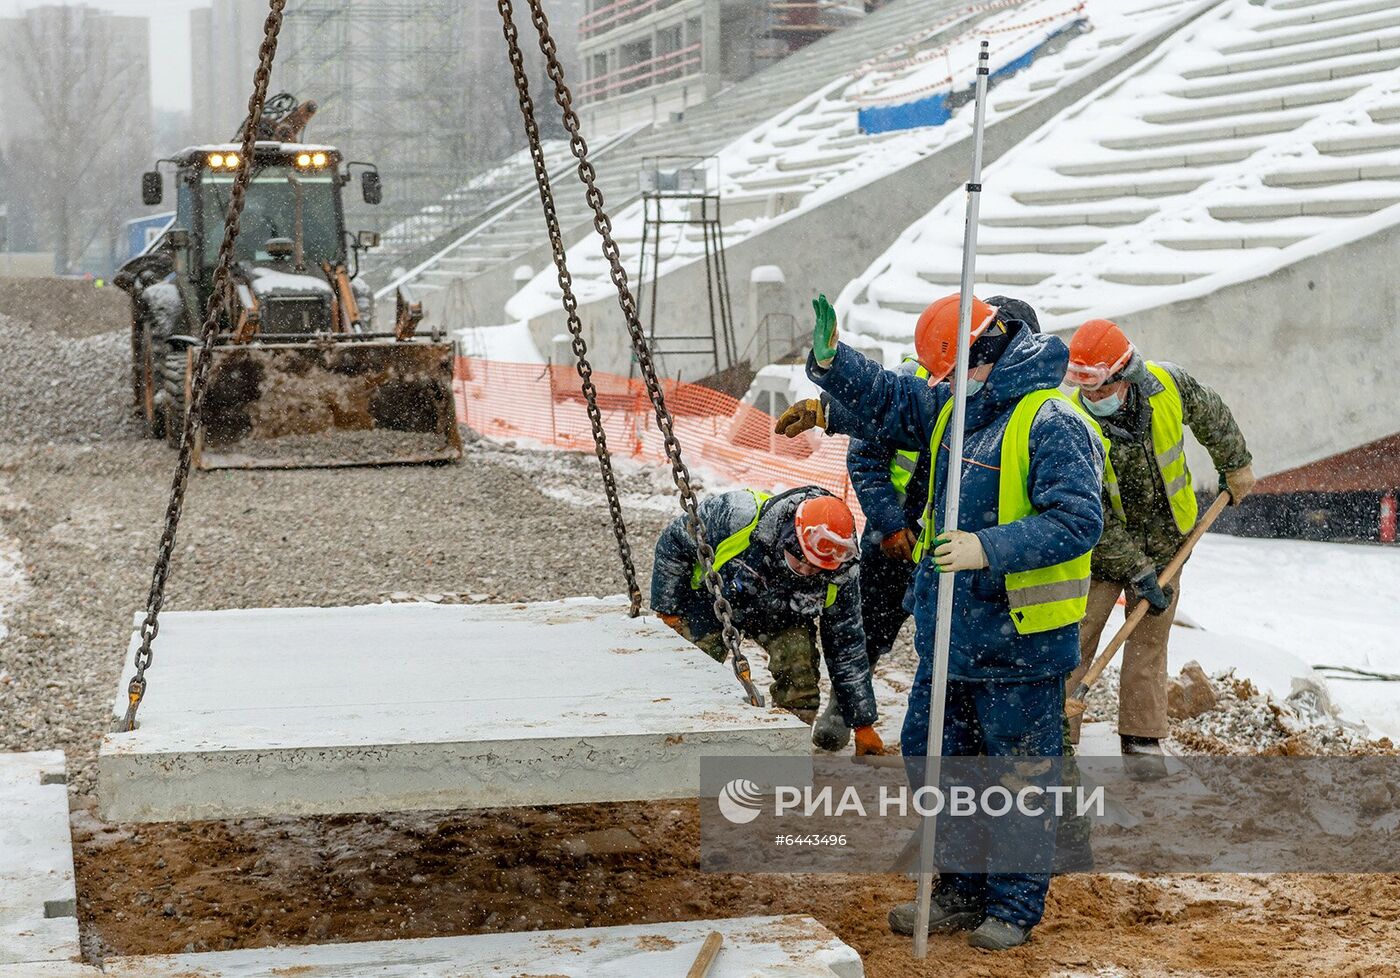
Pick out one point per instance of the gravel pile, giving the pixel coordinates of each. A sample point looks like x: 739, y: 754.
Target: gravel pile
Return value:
x: 68, y: 307
x: 1247, y: 720
x: 58, y: 388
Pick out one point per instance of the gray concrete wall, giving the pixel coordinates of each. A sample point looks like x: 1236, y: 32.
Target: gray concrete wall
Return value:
x: 823, y: 249
x: 1307, y: 358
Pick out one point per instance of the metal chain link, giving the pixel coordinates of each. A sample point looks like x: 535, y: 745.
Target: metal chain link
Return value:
x: 222, y: 282
x: 566, y: 285
x: 603, y: 224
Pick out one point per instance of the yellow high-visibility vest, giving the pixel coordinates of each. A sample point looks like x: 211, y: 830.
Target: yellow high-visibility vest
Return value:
x: 1110, y: 478
x: 903, y: 464
x: 1044, y: 598
x: 1169, y: 448
x: 737, y: 542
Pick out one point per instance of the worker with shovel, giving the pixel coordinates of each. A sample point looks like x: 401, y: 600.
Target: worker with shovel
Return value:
x: 891, y: 485
x: 1030, y: 513
x: 788, y: 567
x: 1143, y: 409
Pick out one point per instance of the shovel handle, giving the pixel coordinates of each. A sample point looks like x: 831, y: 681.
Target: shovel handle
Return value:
x: 1075, y: 704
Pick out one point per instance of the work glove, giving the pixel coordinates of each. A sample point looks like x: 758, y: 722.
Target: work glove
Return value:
x: 899, y: 545
x: 805, y: 415
x: 868, y: 742
x: 958, y: 550
x: 1146, y: 587
x: 1238, y: 483
x: 674, y: 621
x: 824, y: 332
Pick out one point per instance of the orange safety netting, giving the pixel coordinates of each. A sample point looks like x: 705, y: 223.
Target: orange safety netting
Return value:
x: 720, y: 437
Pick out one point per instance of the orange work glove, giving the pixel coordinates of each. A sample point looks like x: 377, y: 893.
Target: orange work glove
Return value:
x: 673, y: 620
x: 868, y: 742
x: 899, y: 545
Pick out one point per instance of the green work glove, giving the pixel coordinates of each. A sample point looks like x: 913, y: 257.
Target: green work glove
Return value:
x: 824, y: 332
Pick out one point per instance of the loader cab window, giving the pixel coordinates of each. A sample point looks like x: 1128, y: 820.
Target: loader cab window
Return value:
x: 270, y: 211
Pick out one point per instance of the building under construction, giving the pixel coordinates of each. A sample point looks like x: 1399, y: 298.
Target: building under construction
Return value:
x: 644, y: 60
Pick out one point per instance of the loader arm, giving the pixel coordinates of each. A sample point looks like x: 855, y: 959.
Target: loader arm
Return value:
x: 345, y: 314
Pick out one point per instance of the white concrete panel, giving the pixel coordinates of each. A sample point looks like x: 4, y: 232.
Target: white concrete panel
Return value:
x: 417, y: 706
x: 37, y: 898
x: 754, y: 947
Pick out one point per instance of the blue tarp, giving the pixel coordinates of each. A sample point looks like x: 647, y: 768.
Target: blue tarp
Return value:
x: 934, y: 110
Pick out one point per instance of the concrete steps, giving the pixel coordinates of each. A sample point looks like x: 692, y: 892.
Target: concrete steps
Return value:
x: 1330, y: 32
x: 1323, y: 52
x: 1175, y: 196
x: 1076, y: 193
x: 1266, y: 126
x: 1254, y: 106
x: 1174, y: 161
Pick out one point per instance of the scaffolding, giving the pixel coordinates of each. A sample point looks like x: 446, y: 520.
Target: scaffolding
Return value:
x: 682, y: 192
x: 391, y: 82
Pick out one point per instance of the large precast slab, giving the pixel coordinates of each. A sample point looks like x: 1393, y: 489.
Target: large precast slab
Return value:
x: 753, y: 947
x: 400, y: 707
x: 38, y: 915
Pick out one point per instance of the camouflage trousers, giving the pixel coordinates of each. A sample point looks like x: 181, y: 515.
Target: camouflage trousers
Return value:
x: 793, y: 658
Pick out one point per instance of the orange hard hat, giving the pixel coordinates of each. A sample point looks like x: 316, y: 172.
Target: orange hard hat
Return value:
x: 826, y: 531
x: 936, y: 334
x: 1098, y: 351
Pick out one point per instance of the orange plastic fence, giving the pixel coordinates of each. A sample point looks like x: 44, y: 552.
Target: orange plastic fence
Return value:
x: 721, y: 438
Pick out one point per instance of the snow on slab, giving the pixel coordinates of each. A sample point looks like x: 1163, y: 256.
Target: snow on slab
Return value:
x: 1317, y: 603
x: 754, y: 947
x: 403, y: 707
x: 37, y: 896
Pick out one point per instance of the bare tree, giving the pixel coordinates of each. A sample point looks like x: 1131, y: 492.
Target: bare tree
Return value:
x: 86, y: 141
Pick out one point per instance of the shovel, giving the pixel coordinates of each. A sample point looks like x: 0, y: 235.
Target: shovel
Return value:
x: 1075, y: 705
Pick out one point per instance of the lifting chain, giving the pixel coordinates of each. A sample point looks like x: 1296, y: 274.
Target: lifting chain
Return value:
x: 566, y: 285
x: 603, y: 225
x: 221, y: 289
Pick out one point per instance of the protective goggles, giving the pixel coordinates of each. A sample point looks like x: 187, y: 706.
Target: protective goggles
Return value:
x: 1092, y: 376
x: 825, y: 549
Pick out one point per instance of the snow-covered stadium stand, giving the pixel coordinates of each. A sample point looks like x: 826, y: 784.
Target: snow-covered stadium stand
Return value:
x: 808, y: 190
x: 1231, y: 200
x: 470, y: 276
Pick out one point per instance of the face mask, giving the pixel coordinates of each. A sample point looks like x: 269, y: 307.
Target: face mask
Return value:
x: 1103, y: 408
x: 973, y: 386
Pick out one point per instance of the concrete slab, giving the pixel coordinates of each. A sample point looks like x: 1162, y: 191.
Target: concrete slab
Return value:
x: 754, y: 947
x: 401, y: 707
x: 38, y: 919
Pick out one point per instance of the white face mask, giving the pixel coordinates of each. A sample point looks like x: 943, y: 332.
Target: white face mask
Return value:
x: 973, y: 386
x: 1104, y: 407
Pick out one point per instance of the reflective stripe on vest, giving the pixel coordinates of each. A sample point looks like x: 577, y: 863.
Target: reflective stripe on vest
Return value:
x: 738, y: 541
x: 1110, y: 478
x: 903, y: 464
x: 1169, y: 448
x: 1044, y: 598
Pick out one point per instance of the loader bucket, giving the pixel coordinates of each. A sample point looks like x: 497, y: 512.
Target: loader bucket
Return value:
x: 329, y: 403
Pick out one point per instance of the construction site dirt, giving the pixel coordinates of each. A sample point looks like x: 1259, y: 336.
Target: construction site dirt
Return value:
x: 82, y: 517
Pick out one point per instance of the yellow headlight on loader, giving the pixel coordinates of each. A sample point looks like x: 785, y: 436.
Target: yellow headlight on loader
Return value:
x: 303, y: 159
x: 319, y: 159
x: 216, y: 160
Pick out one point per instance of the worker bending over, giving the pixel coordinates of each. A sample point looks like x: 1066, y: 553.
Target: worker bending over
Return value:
x: 1149, y: 502
x: 789, y: 569
x: 1029, y: 512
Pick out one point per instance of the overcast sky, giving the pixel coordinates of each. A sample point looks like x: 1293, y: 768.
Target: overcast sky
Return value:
x: 170, y: 35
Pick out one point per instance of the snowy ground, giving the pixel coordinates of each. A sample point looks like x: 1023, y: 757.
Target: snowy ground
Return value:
x: 1323, y: 603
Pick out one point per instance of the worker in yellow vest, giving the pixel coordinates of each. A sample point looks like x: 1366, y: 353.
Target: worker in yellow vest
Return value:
x: 1029, y: 516
x: 1142, y: 410
x: 788, y: 567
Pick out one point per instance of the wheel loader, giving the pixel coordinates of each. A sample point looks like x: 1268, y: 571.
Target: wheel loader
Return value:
x: 305, y: 371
